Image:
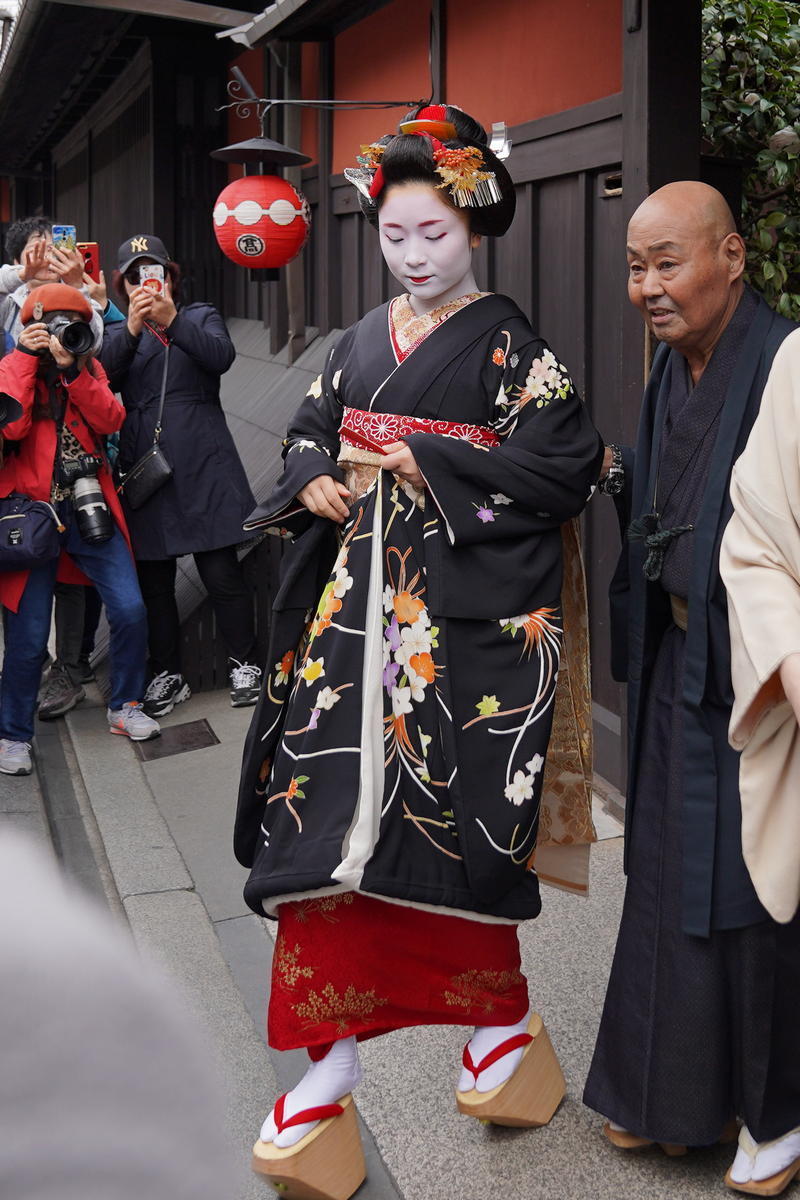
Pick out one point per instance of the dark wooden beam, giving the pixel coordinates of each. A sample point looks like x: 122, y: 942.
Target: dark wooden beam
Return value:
x: 324, y: 233
x: 295, y: 272
x: 661, y: 116
x: 660, y: 130
x: 437, y: 51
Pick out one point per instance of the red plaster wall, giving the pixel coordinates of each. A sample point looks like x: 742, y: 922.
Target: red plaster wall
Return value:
x: 309, y: 90
x: 520, y: 59
x: 383, y: 57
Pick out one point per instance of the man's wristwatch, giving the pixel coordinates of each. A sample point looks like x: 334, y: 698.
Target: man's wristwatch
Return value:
x: 613, y: 483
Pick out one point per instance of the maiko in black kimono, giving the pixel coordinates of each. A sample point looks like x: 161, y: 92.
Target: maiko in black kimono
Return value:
x: 401, y: 753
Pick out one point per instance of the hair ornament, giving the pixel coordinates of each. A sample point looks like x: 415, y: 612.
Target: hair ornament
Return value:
x: 371, y: 154
x: 431, y: 120
x: 500, y: 143
x: 460, y: 171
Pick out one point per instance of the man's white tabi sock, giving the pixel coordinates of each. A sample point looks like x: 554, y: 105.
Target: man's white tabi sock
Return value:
x: 324, y: 1082
x: 757, y: 1161
x: 483, y: 1042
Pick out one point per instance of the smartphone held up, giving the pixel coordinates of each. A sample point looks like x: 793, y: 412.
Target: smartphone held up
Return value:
x: 64, y: 237
x: 151, y: 276
x: 91, y: 259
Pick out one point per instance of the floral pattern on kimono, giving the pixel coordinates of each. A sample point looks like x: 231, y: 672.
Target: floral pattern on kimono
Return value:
x: 411, y: 746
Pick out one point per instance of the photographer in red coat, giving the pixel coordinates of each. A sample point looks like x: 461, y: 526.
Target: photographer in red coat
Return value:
x: 54, y: 452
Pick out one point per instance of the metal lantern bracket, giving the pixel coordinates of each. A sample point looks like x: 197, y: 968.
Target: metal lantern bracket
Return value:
x: 245, y: 102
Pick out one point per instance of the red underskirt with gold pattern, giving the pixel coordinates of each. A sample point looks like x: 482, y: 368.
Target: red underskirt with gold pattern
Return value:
x: 352, y: 964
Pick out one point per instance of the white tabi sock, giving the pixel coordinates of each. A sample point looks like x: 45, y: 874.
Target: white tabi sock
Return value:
x: 757, y: 1161
x: 324, y: 1082
x: 483, y: 1042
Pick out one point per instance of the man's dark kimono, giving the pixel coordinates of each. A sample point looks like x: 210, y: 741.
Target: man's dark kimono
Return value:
x: 692, y: 1019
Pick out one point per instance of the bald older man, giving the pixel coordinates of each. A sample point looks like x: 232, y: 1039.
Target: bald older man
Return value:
x: 698, y: 1025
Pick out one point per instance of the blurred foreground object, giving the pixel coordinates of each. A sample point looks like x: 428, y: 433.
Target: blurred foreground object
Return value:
x: 104, y: 1093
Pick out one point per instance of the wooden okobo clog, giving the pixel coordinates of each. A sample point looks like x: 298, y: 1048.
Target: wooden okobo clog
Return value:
x: 531, y: 1095
x: 327, y: 1164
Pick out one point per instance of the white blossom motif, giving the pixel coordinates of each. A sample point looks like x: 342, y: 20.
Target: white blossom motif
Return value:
x: 417, y: 683
x: 342, y: 583
x: 401, y: 701
x: 546, y: 378
x: 535, y: 765
x: 327, y: 698
x: 520, y: 788
x: 336, y: 380
x: 388, y: 599
x: 316, y: 388
x: 515, y: 622
x: 499, y: 498
x: 415, y: 639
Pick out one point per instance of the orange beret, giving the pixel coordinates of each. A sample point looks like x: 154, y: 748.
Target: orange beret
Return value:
x: 55, y: 297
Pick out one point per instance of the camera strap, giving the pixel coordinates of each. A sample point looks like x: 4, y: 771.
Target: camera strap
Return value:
x: 157, y: 430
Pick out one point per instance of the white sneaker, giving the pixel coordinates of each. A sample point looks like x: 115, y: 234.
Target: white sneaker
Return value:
x: 245, y: 684
x: 163, y: 693
x: 15, y: 757
x: 132, y: 721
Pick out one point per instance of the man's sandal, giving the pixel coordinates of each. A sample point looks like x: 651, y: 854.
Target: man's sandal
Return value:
x: 624, y: 1140
x: 531, y: 1095
x: 327, y: 1164
x: 631, y: 1141
x: 774, y: 1184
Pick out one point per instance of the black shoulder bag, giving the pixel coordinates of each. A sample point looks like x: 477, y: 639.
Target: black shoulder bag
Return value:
x: 152, y: 470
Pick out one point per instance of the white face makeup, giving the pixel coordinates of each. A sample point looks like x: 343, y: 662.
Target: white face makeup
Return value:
x: 427, y: 246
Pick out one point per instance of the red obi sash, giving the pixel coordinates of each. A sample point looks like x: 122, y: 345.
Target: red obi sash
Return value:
x: 373, y: 431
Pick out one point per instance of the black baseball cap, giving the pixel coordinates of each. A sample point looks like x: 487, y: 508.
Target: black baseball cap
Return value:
x: 142, y: 245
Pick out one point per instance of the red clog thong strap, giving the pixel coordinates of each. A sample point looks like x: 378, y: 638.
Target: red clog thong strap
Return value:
x: 320, y: 1113
x: 512, y: 1043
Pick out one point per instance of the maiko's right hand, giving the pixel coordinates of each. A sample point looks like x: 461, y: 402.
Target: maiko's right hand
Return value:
x: 35, y: 337
x: 140, y: 304
x: 324, y: 497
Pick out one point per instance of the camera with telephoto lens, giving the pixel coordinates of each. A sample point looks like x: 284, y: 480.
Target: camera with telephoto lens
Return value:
x: 95, y: 523
x: 76, y: 337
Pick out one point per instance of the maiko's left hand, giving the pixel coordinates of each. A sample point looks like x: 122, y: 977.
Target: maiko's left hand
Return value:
x: 163, y: 310
x: 400, y: 461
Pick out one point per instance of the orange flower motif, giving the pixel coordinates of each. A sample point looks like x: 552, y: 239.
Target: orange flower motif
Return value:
x: 406, y: 607
x: 292, y: 789
x: 499, y: 357
x: 287, y: 662
x: 424, y: 666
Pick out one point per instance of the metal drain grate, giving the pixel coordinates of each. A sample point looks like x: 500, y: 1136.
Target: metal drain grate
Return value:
x: 177, y: 739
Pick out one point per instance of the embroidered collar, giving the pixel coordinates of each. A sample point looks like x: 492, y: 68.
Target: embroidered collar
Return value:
x: 407, y: 329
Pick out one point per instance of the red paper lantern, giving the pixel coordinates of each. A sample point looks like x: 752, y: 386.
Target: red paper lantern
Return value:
x: 261, y: 221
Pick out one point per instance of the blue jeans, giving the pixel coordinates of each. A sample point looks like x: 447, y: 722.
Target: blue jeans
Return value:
x: 112, y: 571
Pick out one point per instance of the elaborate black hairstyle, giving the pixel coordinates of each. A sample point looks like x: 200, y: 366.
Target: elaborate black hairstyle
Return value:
x: 409, y: 158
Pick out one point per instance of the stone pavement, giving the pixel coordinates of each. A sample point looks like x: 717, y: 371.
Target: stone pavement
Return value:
x: 160, y: 835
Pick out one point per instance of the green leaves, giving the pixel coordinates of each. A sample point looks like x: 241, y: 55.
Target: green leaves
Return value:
x: 750, y: 107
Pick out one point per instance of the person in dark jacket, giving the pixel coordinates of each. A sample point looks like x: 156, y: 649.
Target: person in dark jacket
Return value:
x: 201, y: 508
x: 699, y: 1020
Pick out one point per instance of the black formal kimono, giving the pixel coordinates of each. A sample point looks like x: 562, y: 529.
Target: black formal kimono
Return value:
x: 399, y: 752
x: 692, y: 1017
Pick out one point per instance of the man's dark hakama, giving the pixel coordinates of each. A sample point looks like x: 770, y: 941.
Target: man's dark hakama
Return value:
x: 695, y: 1029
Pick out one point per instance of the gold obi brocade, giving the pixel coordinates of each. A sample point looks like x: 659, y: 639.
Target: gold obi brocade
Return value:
x: 360, y: 469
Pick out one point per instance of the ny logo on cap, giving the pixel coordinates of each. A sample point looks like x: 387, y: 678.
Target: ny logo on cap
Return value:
x: 138, y: 245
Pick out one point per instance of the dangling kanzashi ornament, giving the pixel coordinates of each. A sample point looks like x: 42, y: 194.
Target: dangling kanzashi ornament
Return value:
x: 460, y: 171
